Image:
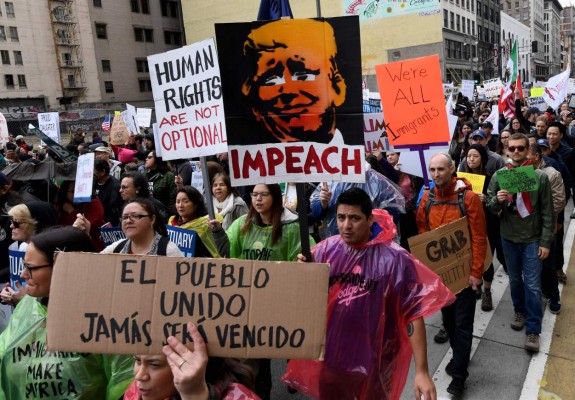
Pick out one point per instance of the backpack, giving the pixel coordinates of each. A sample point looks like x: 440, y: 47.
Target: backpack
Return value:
x: 431, y: 201
x: 162, y: 246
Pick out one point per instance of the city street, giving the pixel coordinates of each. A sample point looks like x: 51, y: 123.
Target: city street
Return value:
x: 500, y: 367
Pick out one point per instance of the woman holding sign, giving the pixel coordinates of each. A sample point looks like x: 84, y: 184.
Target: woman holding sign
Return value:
x: 188, y: 373
x: 50, y: 374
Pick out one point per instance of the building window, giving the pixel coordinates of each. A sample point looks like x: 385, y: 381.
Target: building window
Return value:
x: 145, y: 7
x: 145, y: 85
x: 10, y: 12
x: 525, y: 3
x: 101, y: 31
x: 97, y: 3
x: 169, y: 8
x: 457, y: 3
x: 138, y: 5
x: 106, y: 67
x: 14, y: 34
x: 172, y: 37
x: 463, y: 24
x: 18, y: 57
x: 451, y: 20
x: 525, y: 15
x: 109, y: 86
x: 9, y: 81
x: 473, y: 28
x: 2, y: 34
x: 22, y: 81
x: 478, y: 8
x: 142, y: 65
x: 516, y: 4
x: 458, y: 23
x: 467, y: 5
x: 144, y: 34
x: 445, y: 19
x: 5, y: 54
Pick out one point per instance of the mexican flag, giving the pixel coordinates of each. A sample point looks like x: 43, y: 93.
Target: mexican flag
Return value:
x: 507, y: 97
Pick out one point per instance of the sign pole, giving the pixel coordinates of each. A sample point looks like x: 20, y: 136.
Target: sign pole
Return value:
x: 207, y: 187
x: 303, y: 224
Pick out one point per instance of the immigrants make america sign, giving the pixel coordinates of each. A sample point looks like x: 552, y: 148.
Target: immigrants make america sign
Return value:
x: 188, y: 98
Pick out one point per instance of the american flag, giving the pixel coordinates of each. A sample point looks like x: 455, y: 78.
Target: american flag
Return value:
x: 106, y: 123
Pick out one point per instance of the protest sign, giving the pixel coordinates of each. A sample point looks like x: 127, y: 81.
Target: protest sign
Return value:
x: 538, y: 102
x: 49, y: 123
x: 477, y: 181
x: 369, y: 10
x: 467, y: 88
x: 185, y: 239
x: 536, y: 92
x: 156, y: 133
x: 374, y: 132
x: 188, y: 98
x: 129, y: 117
x: 4, y: 133
x: 64, y: 154
x: 494, y: 119
x: 119, y: 133
x: 492, y: 87
x: 447, y: 251
x: 300, y: 129
x: 129, y: 304
x: 413, y: 101
x: 16, y: 260
x: 571, y: 86
x: 410, y: 161
x: 520, y: 179
x: 111, y: 235
x: 144, y: 117
x: 84, y: 178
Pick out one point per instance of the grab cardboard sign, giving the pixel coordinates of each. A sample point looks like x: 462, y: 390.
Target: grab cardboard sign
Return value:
x: 129, y: 304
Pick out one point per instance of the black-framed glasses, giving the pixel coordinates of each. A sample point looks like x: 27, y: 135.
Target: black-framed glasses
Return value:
x: 133, y: 217
x: 30, y: 268
x: 260, y: 194
x: 15, y: 223
x: 519, y: 148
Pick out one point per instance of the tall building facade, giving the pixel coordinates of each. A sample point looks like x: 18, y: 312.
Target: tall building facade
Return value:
x: 488, y: 31
x: 460, y: 39
x: 567, y: 33
x: 512, y: 30
x: 552, y: 36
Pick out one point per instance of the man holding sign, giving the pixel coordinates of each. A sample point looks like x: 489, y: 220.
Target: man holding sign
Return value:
x: 526, y: 234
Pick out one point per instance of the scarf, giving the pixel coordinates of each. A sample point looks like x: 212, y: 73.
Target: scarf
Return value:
x: 226, y: 206
x: 521, y: 200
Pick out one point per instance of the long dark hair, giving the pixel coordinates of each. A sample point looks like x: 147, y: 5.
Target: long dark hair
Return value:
x: 220, y: 372
x: 277, y: 210
x: 148, y: 205
x: 66, y: 239
x: 195, y: 197
x: 482, y: 153
x: 159, y: 164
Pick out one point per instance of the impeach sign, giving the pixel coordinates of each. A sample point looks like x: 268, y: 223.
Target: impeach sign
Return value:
x: 130, y: 304
x: 521, y: 179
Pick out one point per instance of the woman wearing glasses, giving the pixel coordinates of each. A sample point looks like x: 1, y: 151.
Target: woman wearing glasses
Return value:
x: 191, y: 213
x: 39, y: 373
x: 26, y: 220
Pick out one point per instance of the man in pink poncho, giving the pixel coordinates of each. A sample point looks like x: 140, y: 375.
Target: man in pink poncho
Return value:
x: 378, y: 297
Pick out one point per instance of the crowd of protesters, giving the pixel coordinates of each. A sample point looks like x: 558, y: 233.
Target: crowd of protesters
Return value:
x: 137, y: 190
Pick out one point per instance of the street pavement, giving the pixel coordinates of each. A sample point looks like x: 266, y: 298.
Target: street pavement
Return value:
x: 500, y: 367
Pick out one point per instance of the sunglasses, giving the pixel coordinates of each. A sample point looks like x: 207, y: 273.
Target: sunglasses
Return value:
x: 518, y: 148
x: 15, y: 223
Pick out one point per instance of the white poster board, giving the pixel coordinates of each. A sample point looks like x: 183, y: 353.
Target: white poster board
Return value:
x: 492, y: 87
x: 84, y: 178
x: 49, y: 123
x: 144, y: 117
x: 129, y: 116
x: 467, y: 88
x: 4, y: 134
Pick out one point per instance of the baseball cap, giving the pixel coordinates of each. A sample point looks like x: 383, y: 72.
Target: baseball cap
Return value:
x: 19, y: 137
x: 543, y: 143
x: 103, y: 149
x: 487, y: 124
x: 533, y: 110
x: 479, y: 132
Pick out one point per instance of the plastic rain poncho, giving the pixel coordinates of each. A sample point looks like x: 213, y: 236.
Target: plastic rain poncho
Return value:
x: 29, y: 371
x: 375, y: 291
x: 383, y: 193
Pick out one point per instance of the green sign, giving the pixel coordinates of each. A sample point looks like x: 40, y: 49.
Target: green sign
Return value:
x: 520, y: 179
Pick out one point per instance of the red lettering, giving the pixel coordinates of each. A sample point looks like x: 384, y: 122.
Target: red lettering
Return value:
x: 256, y: 163
x: 174, y: 120
x: 312, y: 161
x: 175, y: 138
x: 235, y: 163
x: 292, y: 160
x: 166, y: 136
x: 324, y: 160
x: 354, y: 162
x: 275, y: 157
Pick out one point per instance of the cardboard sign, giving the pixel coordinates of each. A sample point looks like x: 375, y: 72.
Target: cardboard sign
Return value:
x: 119, y: 133
x: 16, y: 259
x: 447, y: 251
x: 536, y: 92
x: 49, y: 123
x: 129, y: 304
x: 144, y: 117
x: 413, y: 101
x: 84, y: 178
x: 288, y: 125
x: 4, y: 134
x: 520, y: 179
x: 185, y: 239
x: 111, y: 235
x: 492, y: 87
x: 188, y: 97
x: 374, y: 132
x: 477, y: 181
x: 467, y: 88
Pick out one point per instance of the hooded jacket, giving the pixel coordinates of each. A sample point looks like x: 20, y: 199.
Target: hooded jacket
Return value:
x: 442, y: 214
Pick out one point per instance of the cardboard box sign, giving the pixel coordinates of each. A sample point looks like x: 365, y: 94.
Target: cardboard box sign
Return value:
x: 447, y: 251
x: 128, y: 304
